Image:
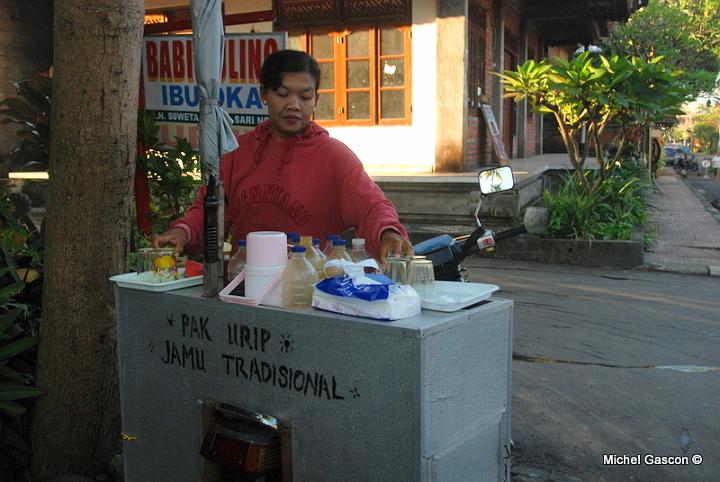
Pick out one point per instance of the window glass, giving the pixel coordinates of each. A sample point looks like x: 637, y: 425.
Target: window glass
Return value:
x: 322, y: 46
x: 357, y: 44
x: 358, y: 105
x: 393, y: 72
x: 325, y: 109
x: 327, y: 75
x: 365, y: 78
x: 391, y: 40
x: 358, y: 74
x: 295, y: 42
x: 392, y: 104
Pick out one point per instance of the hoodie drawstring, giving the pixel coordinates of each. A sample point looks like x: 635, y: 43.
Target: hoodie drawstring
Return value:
x: 287, y: 158
x: 257, y: 155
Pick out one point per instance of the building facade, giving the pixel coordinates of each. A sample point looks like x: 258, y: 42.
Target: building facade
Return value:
x: 403, y: 81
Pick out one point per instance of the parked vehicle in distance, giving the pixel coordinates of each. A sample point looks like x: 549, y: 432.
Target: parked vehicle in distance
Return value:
x: 686, y: 162
x: 673, y: 153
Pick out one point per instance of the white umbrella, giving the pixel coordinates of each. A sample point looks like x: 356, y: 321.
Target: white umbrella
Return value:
x: 215, y: 133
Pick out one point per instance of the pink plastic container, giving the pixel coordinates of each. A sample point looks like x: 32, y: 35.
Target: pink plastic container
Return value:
x: 266, y: 248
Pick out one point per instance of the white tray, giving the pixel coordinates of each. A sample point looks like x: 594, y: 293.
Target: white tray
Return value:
x: 143, y: 281
x: 453, y: 295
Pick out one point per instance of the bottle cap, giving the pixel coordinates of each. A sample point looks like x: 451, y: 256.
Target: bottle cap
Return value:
x: 358, y: 242
x: 316, y: 241
x: 338, y: 242
x: 330, y: 237
x: 242, y: 242
x: 298, y: 249
x: 294, y: 237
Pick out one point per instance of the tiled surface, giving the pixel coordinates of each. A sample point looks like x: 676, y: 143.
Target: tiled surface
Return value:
x: 687, y: 234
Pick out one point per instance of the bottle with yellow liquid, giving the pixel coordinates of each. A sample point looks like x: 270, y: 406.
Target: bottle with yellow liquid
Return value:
x: 338, y: 251
x: 311, y: 253
x: 298, y: 280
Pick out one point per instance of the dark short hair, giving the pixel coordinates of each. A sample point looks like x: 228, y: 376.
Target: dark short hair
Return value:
x: 287, y: 61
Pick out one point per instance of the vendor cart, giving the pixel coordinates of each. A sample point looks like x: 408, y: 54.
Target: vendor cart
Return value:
x: 425, y: 398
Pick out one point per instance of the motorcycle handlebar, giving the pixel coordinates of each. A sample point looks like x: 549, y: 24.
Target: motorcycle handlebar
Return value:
x: 509, y: 233
x: 470, y: 244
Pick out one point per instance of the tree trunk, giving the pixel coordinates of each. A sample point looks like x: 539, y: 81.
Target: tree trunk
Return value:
x: 76, y: 425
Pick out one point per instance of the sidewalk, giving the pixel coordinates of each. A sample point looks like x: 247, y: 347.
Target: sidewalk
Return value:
x: 688, y: 235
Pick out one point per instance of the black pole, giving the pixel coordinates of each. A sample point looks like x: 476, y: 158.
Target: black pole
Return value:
x: 211, y: 221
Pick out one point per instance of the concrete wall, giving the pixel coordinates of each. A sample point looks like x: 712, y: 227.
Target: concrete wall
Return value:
x: 451, y: 74
x: 25, y: 48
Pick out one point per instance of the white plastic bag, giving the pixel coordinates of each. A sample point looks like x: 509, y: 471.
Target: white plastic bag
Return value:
x: 379, y: 298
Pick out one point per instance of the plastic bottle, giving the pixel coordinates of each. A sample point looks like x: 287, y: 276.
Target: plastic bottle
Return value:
x: 358, y: 252
x: 338, y: 252
x: 329, y: 243
x: 293, y: 239
x: 316, y: 245
x: 315, y: 257
x: 298, y: 280
x: 237, y: 261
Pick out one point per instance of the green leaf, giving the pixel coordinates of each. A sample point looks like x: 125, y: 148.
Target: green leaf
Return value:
x: 8, y: 318
x: 19, y: 346
x: 10, y: 374
x: 11, y: 408
x: 18, y: 392
x: 11, y: 290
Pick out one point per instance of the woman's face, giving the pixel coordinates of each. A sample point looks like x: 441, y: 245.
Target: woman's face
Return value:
x: 291, y: 105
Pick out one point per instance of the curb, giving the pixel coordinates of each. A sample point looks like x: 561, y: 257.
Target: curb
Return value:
x: 692, y: 269
x: 708, y: 207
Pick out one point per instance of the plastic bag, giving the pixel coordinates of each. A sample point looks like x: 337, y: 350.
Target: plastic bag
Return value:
x: 381, y: 300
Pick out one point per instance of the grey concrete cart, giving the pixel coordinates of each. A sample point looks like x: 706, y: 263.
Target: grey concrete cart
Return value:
x: 425, y: 398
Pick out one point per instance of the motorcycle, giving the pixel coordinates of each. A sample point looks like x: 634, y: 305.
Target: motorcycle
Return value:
x: 684, y: 163
x: 447, y: 252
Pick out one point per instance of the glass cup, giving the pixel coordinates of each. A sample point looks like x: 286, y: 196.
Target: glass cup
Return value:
x: 165, y: 266
x: 395, y: 269
x: 145, y: 260
x: 180, y: 261
x: 421, y: 276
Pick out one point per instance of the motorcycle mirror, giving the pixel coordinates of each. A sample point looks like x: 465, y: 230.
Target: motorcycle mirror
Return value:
x: 496, y: 179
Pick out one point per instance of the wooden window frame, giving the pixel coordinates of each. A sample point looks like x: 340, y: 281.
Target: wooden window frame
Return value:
x: 477, y: 31
x: 375, y: 89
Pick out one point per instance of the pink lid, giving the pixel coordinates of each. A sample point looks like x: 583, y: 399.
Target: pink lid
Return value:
x: 266, y: 248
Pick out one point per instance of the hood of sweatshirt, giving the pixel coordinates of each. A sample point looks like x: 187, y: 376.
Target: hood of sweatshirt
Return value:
x: 308, y: 138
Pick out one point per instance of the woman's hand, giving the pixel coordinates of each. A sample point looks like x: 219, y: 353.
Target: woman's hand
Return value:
x: 391, y: 242
x: 176, y: 237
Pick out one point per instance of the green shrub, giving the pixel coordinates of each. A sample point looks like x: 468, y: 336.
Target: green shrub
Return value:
x: 173, y: 174
x: 21, y: 261
x: 610, y: 212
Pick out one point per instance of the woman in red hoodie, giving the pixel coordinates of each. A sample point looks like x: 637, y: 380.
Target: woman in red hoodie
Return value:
x: 289, y: 175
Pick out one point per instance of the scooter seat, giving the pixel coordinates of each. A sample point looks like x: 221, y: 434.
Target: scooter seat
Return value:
x: 433, y: 244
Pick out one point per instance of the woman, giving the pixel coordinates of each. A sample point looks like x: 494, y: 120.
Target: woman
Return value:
x: 289, y: 175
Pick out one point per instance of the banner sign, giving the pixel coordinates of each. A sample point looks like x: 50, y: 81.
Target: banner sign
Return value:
x: 170, y: 88
x: 495, y: 135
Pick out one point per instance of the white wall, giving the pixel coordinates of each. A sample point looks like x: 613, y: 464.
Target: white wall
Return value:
x: 405, y: 149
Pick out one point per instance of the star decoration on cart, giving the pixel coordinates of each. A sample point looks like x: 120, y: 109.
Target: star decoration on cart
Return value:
x: 286, y: 343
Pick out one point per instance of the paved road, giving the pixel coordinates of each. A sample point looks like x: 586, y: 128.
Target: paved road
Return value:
x: 627, y: 362
x: 709, y: 189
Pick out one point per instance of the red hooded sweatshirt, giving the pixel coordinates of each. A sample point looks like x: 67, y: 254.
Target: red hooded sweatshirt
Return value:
x: 311, y: 184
